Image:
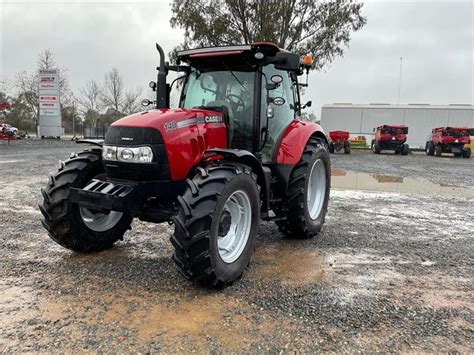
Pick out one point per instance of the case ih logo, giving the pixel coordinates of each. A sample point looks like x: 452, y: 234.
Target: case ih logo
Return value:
x: 213, y: 119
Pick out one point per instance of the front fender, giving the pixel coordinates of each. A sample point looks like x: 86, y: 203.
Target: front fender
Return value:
x: 294, y: 140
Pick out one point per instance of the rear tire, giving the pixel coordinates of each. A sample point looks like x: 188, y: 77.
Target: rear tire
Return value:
x: 347, y: 147
x: 438, y: 150
x: 74, y: 227
x: 466, y: 153
x: 429, y: 148
x: 405, y: 149
x: 211, y: 245
x: 377, y: 148
x: 308, y: 194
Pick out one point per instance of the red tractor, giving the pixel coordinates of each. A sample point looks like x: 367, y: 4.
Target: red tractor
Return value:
x: 234, y: 152
x: 339, y: 142
x: 449, y: 140
x: 391, y: 137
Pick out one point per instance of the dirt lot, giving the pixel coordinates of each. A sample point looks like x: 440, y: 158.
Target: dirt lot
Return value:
x: 392, y: 270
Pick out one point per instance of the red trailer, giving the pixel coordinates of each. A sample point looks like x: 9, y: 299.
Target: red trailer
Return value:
x: 339, y: 142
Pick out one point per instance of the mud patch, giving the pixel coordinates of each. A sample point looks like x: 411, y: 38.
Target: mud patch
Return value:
x: 288, y: 263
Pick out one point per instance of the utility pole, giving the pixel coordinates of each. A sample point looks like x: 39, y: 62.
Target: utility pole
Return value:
x: 400, y: 81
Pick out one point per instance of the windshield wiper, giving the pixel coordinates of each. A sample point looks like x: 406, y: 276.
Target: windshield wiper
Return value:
x: 235, y: 77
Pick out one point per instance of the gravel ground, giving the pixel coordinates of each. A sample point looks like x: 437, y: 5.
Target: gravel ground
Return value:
x: 391, y: 271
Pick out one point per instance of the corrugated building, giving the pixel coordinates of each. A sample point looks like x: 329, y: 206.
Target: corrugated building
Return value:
x: 420, y: 118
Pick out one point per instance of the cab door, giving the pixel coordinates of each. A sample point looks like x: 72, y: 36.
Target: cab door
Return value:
x: 280, y: 103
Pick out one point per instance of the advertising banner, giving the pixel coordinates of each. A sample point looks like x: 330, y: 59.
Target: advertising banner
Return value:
x: 49, y: 104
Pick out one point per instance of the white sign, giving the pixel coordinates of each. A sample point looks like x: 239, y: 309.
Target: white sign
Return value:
x: 47, y: 112
x: 49, y: 103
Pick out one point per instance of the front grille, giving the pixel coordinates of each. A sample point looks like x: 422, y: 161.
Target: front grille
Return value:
x: 137, y: 136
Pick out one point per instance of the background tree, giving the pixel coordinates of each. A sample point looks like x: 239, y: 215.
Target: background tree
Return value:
x: 322, y: 28
x: 112, y: 95
x: 90, y: 102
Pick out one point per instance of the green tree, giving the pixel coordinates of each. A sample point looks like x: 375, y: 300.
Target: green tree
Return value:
x: 303, y: 26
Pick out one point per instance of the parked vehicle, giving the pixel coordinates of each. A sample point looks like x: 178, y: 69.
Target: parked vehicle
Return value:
x: 453, y: 140
x: 339, y: 142
x: 232, y: 153
x: 5, y: 128
x: 391, y: 137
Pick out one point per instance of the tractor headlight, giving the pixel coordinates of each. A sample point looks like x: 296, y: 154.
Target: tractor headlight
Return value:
x: 128, y: 154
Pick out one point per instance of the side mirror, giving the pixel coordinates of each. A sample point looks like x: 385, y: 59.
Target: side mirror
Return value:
x: 152, y: 85
x: 471, y: 131
x: 308, y: 104
x: 405, y: 130
x: 146, y: 102
x: 286, y: 61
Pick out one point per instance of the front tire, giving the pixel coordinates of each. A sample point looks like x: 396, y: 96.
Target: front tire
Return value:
x: 74, y: 227
x: 438, y: 150
x: 331, y: 147
x: 217, y: 224
x: 429, y: 148
x: 308, y: 193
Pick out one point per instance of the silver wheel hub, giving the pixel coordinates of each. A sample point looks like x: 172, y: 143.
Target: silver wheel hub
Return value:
x: 234, y: 226
x: 98, y: 221
x: 316, y: 189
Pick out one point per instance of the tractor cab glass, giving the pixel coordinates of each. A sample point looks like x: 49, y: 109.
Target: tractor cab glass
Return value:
x: 231, y: 90
x: 278, y: 95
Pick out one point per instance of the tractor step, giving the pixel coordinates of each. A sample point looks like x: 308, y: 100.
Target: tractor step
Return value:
x: 104, y: 196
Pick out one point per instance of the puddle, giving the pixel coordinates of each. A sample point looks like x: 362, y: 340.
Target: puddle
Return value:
x: 292, y: 266
x: 376, y: 182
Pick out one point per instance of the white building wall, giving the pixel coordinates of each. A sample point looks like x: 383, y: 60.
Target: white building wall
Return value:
x: 420, y: 119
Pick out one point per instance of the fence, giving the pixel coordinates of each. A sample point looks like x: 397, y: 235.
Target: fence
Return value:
x: 96, y: 132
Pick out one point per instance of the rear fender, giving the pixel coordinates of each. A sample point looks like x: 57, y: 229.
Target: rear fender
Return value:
x: 247, y: 158
x: 294, y: 141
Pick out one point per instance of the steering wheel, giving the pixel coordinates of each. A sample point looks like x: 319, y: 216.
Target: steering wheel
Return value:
x: 235, y: 101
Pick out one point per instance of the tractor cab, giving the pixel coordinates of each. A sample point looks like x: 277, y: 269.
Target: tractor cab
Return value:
x: 254, y: 86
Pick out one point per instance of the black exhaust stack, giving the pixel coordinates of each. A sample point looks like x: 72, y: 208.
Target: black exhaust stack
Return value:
x: 162, y: 92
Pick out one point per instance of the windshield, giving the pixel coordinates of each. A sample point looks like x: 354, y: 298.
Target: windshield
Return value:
x: 392, y: 131
x: 455, y: 133
x: 231, y: 90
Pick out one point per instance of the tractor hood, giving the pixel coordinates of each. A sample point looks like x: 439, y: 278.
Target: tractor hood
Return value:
x: 179, y: 137
x: 168, y: 120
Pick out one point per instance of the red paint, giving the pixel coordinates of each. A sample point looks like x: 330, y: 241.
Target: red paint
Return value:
x: 439, y: 136
x: 4, y: 105
x: 339, y: 136
x: 185, y: 146
x: 294, y: 140
x: 396, y: 137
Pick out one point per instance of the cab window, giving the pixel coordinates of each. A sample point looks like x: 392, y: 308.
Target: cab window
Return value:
x: 282, y: 98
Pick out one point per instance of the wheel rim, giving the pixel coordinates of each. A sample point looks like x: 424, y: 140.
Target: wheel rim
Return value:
x: 234, y: 226
x: 99, y: 222
x: 316, y: 189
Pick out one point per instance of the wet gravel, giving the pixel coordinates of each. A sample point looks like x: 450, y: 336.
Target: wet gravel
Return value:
x: 389, y: 272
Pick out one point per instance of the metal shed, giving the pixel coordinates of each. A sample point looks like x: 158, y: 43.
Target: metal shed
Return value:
x: 360, y: 119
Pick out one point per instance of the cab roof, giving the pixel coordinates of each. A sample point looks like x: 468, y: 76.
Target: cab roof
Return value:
x: 391, y: 126
x: 267, y: 48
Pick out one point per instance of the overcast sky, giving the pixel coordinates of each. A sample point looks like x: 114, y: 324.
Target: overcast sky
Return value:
x: 435, y: 39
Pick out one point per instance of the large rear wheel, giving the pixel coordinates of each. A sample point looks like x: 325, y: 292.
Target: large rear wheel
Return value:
x: 466, y: 153
x: 74, y: 227
x: 217, y: 224
x: 308, y: 193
